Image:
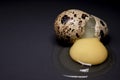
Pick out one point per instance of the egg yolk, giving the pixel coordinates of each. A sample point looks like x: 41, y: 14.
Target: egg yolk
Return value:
x: 88, y: 51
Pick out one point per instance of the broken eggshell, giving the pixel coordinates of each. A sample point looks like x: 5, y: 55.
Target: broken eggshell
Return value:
x: 74, y: 24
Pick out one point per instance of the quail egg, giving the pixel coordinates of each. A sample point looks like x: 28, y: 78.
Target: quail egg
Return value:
x: 74, y: 24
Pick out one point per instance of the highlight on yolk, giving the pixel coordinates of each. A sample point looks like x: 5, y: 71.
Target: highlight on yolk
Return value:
x: 88, y: 51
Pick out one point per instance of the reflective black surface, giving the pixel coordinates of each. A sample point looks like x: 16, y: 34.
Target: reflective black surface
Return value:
x: 28, y: 45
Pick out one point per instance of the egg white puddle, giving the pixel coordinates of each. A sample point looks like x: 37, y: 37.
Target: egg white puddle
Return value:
x: 66, y: 67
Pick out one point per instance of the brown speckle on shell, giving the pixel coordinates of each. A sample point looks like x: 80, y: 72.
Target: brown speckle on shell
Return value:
x: 68, y: 29
x: 80, y: 22
x: 58, y: 27
x: 102, y: 23
x: 73, y: 12
x: 71, y: 17
x: 84, y: 16
x: 73, y: 30
x: 77, y: 35
x: 64, y: 19
x: 81, y: 29
x: 75, y: 15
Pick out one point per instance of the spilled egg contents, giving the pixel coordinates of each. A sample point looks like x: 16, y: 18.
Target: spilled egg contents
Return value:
x: 84, y: 31
x: 88, y: 51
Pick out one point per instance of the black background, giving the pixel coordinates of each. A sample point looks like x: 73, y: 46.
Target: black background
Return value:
x: 27, y: 30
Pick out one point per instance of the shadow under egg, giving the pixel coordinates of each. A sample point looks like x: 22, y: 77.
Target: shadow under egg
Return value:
x: 106, y: 40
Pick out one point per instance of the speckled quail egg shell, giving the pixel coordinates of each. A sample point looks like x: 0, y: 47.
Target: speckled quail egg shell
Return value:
x: 70, y: 25
x: 101, y: 29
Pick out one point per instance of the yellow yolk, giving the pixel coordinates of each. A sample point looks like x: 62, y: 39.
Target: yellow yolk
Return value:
x: 88, y: 51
